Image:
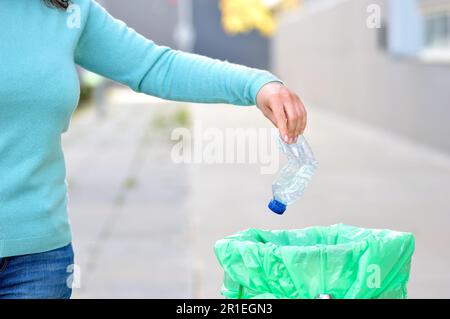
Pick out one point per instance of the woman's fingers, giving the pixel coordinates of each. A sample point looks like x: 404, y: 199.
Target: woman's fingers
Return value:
x: 303, y: 116
x: 293, y: 123
x: 268, y: 114
x: 299, y: 123
x: 276, y: 106
x: 283, y: 108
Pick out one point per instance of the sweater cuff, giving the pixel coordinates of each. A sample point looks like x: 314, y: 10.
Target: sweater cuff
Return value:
x: 262, y: 80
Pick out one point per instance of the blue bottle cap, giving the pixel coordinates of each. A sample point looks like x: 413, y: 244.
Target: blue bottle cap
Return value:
x: 277, y: 207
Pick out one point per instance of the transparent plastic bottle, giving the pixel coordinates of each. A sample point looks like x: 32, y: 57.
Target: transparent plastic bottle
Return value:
x: 293, y: 178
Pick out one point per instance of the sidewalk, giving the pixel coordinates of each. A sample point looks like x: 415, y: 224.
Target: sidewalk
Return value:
x: 145, y: 227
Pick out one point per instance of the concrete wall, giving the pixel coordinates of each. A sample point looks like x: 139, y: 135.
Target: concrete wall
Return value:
x: 334, y: 61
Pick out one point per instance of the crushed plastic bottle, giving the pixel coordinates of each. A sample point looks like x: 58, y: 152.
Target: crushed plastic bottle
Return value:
x: 293, y: 178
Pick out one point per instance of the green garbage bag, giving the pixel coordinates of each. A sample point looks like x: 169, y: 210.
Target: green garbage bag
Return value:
x: 340, y: 261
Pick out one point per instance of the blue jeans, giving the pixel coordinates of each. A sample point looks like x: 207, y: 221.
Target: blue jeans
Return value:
x: 37, y: 276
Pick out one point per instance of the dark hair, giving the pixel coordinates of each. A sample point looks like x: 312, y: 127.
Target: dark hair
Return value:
x: 60, y: 4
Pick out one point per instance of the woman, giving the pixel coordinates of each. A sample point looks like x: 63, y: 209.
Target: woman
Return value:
x: 39, y: 90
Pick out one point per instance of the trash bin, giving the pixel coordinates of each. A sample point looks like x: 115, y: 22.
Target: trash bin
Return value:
x: 339, y: 261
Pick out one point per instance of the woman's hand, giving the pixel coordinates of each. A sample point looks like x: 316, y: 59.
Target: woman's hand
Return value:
x: 284, y: 108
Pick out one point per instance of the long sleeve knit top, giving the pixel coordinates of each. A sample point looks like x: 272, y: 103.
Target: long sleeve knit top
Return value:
x: 39, y: 90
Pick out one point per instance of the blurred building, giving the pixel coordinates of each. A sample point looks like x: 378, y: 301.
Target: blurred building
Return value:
x: 393, y: 73
x: 250, y: 49
x: 173, y: 22
x: 155, y: 19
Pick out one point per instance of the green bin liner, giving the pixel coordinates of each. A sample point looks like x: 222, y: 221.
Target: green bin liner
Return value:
x: 341, y: 261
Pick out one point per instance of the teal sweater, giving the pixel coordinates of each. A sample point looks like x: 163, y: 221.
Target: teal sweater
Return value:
x: 39, y: 90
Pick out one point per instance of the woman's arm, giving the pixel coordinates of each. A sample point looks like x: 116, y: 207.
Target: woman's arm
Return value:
x: 108, y: 47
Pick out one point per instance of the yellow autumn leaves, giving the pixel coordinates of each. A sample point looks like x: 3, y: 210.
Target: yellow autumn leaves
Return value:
x: 240, y: 16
